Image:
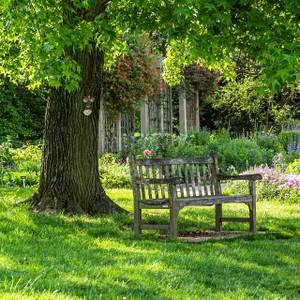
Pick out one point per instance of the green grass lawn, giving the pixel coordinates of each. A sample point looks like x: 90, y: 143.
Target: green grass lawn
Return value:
x: 46, y: 256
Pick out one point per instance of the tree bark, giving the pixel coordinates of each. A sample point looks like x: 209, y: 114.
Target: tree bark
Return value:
x: 69, y: 175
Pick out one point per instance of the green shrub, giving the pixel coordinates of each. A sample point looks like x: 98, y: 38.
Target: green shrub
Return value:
x: 265, y: 191
x: 21, y: 112
x: 182, y: 147
x: 200, y: 138
x: 289, y: 158
x: 239, y: 152
x: 24, y: 161
x: 270, y: 146
x: 236, y: 187
x: 14, y: 178
x: 112, y: 173
x: 294, y: 167
x: 234, y: 154
x: 289, y: 138
x: 6, y: 156
x: 28, y: 158
x: 158, y: 143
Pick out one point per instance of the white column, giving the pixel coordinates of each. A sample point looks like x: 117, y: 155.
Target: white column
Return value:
x: 182, y: 110
x: 119, y: 131
x: 144, y: 117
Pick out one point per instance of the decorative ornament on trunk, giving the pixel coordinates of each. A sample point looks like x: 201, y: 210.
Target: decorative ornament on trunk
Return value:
x: 88, y: 105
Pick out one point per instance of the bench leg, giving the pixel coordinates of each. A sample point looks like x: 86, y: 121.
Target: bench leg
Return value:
x: 137, y: 221
x: 252, y: 206
x: 252, y: 215
x: 173, y: 221
x: 218, y: 212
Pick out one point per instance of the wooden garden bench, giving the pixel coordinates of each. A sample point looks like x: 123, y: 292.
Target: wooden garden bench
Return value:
x: 173, y: 183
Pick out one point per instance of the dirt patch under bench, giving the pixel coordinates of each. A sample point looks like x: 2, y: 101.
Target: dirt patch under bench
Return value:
x: 197, y: 237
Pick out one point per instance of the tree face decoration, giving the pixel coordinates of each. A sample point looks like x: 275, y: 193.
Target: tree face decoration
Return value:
x: 88, y: 105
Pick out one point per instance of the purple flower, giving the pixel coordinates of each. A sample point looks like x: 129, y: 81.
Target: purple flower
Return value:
x: 281, y: 180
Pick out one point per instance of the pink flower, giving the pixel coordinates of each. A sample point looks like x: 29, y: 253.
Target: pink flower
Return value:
x: 147, y: 152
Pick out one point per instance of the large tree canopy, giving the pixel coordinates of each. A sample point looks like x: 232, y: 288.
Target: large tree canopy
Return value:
x: 38, y: 37
x: 66, y: 44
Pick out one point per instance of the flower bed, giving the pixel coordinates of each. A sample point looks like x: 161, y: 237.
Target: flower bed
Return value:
x: 280, y: 179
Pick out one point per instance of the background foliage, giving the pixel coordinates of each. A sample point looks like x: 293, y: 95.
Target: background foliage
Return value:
x: 21, y: 112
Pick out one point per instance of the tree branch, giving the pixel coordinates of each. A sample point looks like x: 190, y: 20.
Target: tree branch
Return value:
x: 96, y: 10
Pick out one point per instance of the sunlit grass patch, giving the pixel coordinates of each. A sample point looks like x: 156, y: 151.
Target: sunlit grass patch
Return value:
x: 49, y: 256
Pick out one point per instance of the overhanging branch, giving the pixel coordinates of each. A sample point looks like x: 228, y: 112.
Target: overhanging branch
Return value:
x: 96, y: 10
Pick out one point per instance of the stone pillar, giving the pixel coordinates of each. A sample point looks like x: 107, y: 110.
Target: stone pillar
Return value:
x: 182, y: 110
x: 144, y: 117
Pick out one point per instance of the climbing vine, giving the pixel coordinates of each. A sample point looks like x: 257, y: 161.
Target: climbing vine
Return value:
x: 131, y: 78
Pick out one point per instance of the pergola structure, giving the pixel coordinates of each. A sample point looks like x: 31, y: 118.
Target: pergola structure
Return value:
x: 156, y: 116
x: 172, y: 105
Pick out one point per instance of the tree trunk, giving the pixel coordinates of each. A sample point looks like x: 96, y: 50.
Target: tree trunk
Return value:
x: 69, y: 175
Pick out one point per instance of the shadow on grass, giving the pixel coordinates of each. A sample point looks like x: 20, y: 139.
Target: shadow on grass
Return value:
x: 90, y: 257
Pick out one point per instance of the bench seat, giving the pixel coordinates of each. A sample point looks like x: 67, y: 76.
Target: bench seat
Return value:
x: 198, y: 201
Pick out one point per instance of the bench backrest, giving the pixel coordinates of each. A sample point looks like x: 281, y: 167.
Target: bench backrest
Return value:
x: 198, y: 176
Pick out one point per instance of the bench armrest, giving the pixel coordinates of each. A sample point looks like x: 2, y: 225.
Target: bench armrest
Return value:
x: 170, y: 180
x: 251, y: 177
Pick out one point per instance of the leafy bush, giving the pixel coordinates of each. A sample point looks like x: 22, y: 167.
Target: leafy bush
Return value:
x: 294, y: 167
x: 14, y: 178
x: 233, y: 153
x: 113, y: 174
x: 249, y: 104
x: 6, y: 157
x: 23, y: 161
x: 270, y: 146
x: 239, y: 152
x: 290, y: 140
x: 270, y: 192
x: 28, y: 158
x: 21, y: 111
x: 275, y: 185
x: 159, y: 143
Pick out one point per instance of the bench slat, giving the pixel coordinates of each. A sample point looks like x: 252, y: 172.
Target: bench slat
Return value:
x: 210, y: 178
x: 211, y: 200
x: 186, y: 178
x: 203, y: 175
x: 155, y: 184
x: 163, y: 195
x: 141, y: 186
x: 193, y: 179
x: 176, y: 172
x: 173, y: 161
x: 148, y: 185
x: 199, y: 180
